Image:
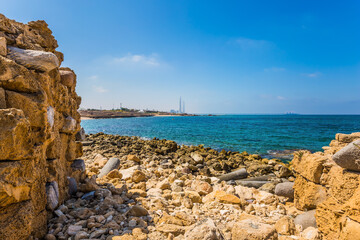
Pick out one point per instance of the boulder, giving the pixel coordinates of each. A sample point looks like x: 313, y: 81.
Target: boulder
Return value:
x: 253, y: 229
x: 285, y: 189
x: 112, y: 164
x: 67, y: 77
x: 38, y: 60
x: 306, y: 219
x: 349, y: 156
x: 203, y: 230
x: 238, y: 174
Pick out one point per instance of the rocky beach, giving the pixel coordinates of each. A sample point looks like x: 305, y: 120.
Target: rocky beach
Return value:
x: 57, y: 182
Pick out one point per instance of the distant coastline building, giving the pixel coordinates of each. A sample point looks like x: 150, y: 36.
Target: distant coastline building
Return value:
x: 180, y: 105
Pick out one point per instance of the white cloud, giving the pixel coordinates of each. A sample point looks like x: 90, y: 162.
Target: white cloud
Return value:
x: 99, y: 89
x: 281, y: 98
x: 312, y: 75
x: 93, y: 77
x: 151, y: 60
x: 247, y: 43
x: 274, y: 69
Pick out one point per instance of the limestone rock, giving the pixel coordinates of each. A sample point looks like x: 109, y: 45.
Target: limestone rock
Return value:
x: 252, y: 229
x: 306, y: 219
x: 285, y: 226
x: 307, y: 194
x: 349, y: 156
x: 285, y: 189
x: 309, y: 166
x: 138, y: 176
x: 204, y: 230
x: 133, y: 158
x: 15, y: 141
x: 201, y: 187
x: 113, y: 163
x: 39, y: 60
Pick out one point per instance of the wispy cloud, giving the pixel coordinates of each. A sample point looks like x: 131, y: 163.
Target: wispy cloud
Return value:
x: 272, y: 97
x: 93, y: 77
x: 99, y: 89
x: 151, y: 60
x: 313, y: 75
x: 248, y: 43
x: 274, y: 69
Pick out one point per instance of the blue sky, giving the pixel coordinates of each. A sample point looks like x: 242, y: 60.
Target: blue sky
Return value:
x: 220, y: 56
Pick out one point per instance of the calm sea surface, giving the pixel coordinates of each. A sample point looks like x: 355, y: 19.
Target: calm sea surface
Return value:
x: 261, y: 134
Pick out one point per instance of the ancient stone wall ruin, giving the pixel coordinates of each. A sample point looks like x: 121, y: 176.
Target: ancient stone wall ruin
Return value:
x: 330, y: 187
x: 38, y: 126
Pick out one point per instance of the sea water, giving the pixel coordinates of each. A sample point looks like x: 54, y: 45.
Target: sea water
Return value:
x: 256, y: 134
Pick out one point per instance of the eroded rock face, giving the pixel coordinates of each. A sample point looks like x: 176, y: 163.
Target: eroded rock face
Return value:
x: 329, y: 182
x: 38, y: 123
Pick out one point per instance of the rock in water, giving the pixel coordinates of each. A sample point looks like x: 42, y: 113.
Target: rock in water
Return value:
x: 39, y: 60
x: 349, y: 156
x: 112, y: 164
x: 238, y: 174
x: 285, y: 189
x: 306, y: 219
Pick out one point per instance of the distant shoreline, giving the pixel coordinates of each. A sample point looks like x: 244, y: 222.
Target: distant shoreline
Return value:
x: 103, y: 114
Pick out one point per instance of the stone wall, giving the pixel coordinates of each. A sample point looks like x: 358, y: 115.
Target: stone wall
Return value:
x: 38, y: 126
x: 330, y: 188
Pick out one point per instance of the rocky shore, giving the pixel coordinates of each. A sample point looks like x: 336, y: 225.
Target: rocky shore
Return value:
x: 156, y: 189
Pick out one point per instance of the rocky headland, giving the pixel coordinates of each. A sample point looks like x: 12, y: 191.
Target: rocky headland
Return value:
x: 58, y: 183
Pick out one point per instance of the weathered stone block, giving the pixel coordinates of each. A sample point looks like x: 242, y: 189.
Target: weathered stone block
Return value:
x: 34, y: 109
x: 308, y: 165
x: 15, y: 182
x: 307, y: 194
x: 15, y: 143
x: 67, y: 78
x: 39, y: 60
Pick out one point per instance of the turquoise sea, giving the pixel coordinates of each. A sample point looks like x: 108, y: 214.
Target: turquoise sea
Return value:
x: 261, y: 134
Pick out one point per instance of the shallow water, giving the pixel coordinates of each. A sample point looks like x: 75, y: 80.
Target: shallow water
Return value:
x: 261, y: 134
